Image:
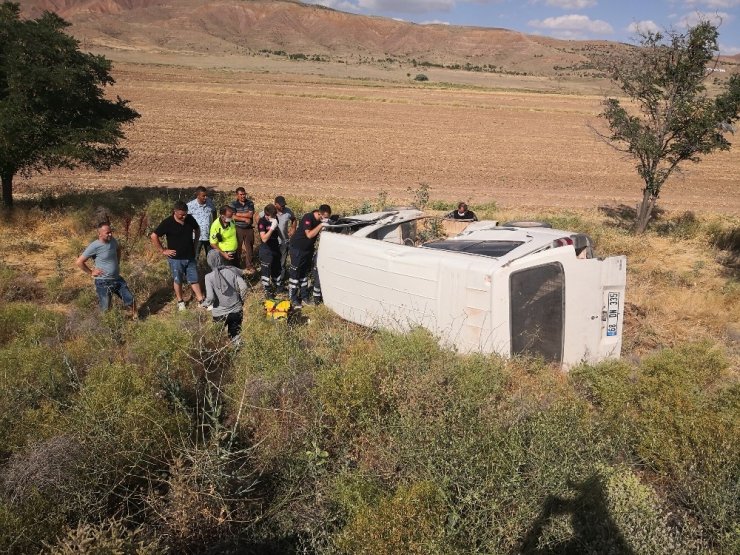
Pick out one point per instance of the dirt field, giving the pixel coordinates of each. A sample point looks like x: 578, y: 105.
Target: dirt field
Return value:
x: 324, y: 136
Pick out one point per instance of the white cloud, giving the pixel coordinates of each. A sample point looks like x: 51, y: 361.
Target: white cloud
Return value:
x: 713, y: 4
x: 434, y: 22
x: 571, y: 4
x: 643, y: 27
x: 715, y: 18
x: 573, y: 26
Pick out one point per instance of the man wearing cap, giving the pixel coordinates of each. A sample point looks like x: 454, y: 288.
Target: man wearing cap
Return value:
x: 183, y: 234
x: 243, y: 220
x: 201, y: 208
x: 106, y: 254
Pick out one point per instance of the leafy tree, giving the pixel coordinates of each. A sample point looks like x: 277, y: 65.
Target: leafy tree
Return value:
x: 53, y: 109
x: 671, y: 118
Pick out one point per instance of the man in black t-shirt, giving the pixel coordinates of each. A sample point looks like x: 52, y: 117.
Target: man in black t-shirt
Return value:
x: 301, y: 252
x: 182, y: 233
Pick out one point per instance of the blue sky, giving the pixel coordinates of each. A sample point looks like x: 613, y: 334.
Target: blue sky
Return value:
x: 565, y: 19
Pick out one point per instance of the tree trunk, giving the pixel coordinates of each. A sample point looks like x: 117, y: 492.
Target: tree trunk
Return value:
x: 645, y: 212
x: 7, y: 180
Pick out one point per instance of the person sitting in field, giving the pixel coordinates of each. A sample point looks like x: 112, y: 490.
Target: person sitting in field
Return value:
x: 225, y: 291
x: 462, y: 213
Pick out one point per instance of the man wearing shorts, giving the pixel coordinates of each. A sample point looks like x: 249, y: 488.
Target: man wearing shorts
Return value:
x: 182, y: 233
x: 106, y: 254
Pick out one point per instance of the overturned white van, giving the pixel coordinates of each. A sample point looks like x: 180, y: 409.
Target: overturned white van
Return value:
x: 519, y: 288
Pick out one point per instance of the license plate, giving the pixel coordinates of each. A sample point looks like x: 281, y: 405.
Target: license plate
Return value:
x: 612, y: 314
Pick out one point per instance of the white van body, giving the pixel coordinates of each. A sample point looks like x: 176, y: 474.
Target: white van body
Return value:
x: 491, y: 289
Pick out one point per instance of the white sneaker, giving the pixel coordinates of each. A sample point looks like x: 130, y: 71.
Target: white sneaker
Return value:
x: 181, y: 306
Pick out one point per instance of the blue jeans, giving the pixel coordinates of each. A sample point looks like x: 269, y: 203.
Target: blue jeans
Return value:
x: 184, y: 267
x: 106, y: 287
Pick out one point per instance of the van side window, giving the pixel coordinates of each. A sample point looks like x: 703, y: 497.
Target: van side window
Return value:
x: 538, y: 311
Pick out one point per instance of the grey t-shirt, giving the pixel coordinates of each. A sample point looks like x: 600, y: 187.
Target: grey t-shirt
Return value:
x: 230, y: 300
x: 105, y: 256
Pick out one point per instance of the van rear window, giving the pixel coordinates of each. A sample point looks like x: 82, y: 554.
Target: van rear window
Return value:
x: 494, y: 249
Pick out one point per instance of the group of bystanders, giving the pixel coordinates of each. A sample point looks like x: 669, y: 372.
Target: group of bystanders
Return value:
x: 228, y: 243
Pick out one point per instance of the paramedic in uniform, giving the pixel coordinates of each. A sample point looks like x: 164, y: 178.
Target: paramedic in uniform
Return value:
x: 269, y: 251
x: 301, y: 252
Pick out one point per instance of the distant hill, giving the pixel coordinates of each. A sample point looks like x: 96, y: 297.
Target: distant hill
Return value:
x: 289, y: 28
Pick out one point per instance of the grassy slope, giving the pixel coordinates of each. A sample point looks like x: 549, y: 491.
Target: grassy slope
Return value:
x: 328, y: 437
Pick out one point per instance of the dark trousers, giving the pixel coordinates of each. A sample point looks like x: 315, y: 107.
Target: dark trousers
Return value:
x: 232, y: 321
x: 245, y: 248
x: 270, y: 269
x: 205, y: 246
x: 300, y: 267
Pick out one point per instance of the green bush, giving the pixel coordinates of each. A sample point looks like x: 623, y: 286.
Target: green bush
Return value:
x: 421, y: 77
x: 410, y: 521
x: 28, y: 323
x: 108, y: 537
x: 18, y: 286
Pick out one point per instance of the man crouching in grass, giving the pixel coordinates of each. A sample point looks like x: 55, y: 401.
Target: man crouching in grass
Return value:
x: 183, y: 234
x: 106, y: 254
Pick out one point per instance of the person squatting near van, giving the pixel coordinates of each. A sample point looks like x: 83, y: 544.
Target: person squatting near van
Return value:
x: 301, y: 252
x: 225, y: 292
x: 106, y: 254
x: 183, y: 235
x: 223, y: 235
x: 269, y: 252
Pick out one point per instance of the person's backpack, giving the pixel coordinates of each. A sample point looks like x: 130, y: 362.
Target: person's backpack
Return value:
x: 276, y: 310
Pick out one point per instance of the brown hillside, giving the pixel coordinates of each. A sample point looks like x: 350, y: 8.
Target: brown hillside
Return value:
x: 234, y: 26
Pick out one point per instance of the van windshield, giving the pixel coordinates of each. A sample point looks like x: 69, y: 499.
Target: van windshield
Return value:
x: 493, y: 249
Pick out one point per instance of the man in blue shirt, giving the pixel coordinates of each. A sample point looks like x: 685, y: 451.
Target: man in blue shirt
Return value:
x: 201, y: 208
x: 106, y: 254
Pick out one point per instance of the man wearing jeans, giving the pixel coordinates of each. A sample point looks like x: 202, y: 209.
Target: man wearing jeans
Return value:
x: 201, y: 208
x: 106, y: 254
x: 182, y: 234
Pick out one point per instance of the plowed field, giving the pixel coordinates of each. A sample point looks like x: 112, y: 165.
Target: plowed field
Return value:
x: 323, y: 137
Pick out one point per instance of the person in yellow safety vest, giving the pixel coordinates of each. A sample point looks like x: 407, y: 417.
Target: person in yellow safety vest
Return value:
x: 223, y: 235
